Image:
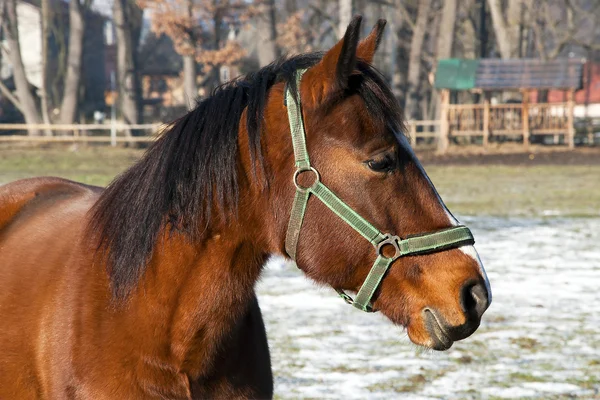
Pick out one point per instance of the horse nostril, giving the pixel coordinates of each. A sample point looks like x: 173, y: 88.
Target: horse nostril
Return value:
x: 475, y: 299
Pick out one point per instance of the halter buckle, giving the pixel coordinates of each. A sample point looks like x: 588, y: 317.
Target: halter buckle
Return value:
x: 392, y: 240
x: 300, y: 170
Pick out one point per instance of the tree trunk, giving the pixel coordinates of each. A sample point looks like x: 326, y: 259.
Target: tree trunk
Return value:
x: 397, y: 54
x: 345, y: 16
x: 45, y: 20
x: 27, y: 101
x: 127, y: 19
x: 445, y: 39
x: 190, y: 89
x: 414, y: 63
x: 445, y: 42
x: 216, y: 71
x: 507, y: 28
x: 507, y: 31
x: 189, y: 81
x: 266, y: 27
x: 70, y: 100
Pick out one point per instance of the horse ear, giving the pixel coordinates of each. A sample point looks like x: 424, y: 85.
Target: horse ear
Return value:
x: 367, y: 47
x: 336, y: 66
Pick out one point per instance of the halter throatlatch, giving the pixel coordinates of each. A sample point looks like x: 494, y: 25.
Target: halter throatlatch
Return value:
x: 419, y: 244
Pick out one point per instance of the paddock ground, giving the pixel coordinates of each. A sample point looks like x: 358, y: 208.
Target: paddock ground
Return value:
x: 536, y: 219
x: 540, y: 183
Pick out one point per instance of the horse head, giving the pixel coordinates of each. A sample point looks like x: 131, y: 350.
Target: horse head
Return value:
x: 353, y: 147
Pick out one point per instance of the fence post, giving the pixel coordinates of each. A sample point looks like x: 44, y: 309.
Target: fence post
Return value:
x: 525, y: 119
x: 486, y: 118
x: 413, y: 133
x: 570, y: 119
x: 443, y: 140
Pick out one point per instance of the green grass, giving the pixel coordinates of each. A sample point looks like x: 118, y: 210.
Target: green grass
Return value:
x: 467, y: 190
x: 91, y: 165
x: 534, y: 191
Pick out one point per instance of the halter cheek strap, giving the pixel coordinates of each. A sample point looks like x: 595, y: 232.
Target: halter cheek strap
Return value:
x: 419, y: 244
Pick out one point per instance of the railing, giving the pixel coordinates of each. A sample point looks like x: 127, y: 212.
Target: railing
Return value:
x: 506, y: 119
x: 423, y: 133
x: 80, y: 133
x: 463, y: 120
x: 466, y: 119
x: 420, y: 132
x: 548, y: 118
x: 487, y: 120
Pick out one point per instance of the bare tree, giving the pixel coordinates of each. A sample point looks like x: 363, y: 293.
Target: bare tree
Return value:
x: 445, y: 42
x: 45, y: 20
x: 190, y: 88
x: 557, y: 24
x: 507, y: 26
x: 445, y: 39
x: 196, y: 29
x: 345, y: 10
x: 414, y: 63
x: 127, y: 18
x: 24, y: 99
x: 266, y: 26
x: 399, y: 24
x: 70, y: 99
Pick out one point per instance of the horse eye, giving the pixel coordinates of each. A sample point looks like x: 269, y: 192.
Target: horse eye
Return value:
x: 385, y: 164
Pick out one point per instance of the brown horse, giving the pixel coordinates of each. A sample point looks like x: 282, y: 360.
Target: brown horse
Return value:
x: 146, y: 289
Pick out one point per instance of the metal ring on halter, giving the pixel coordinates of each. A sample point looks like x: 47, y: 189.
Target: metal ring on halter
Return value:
x: 303, y: 189
x: 391, y: 240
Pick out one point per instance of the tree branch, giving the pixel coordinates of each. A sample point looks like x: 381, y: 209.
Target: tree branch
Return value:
x: 405, y: 14
x: 326, y: 17
x: 328, y: 30
x: 562, y: 32
x: 6, y: 92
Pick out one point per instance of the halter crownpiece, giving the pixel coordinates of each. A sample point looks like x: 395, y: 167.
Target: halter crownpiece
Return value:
x: 453, y: 237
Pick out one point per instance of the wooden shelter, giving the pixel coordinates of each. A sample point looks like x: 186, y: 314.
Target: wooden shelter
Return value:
x: 494, y: 120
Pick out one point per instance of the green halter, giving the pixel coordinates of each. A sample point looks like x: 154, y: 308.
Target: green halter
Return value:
x: 419, y: 244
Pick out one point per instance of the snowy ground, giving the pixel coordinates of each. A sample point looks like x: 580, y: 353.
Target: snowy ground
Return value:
x: 539, y: 339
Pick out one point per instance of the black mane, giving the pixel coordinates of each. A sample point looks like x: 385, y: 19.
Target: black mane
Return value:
x: 195, y: 164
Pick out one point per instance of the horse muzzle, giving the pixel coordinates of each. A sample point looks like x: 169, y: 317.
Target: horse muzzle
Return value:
x: 474, y: 301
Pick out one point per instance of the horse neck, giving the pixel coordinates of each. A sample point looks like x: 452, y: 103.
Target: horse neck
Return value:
x: 193, y: 295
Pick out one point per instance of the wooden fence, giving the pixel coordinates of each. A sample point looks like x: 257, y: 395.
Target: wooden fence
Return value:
x: 420, y: 133
x: 510, y: 120
x: 115, y: 133
x: 507, y: 120
x: 478, y: 120
x: 423, y: 133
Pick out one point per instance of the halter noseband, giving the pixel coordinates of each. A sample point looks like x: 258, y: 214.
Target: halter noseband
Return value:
x: 418, y: 244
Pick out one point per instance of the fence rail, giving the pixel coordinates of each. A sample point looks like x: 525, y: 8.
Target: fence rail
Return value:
x: 77, y: 136
x: 423, y: 132
x: 526, y: 119
x: 417, y: 130
x: 462, y: 121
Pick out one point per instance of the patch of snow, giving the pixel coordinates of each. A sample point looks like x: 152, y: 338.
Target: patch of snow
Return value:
x: 539, y: 338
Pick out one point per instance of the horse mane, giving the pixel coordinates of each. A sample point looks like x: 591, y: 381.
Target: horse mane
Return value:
x: 195, y: 163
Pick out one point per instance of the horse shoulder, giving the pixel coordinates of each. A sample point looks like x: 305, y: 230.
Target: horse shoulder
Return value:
x: 19, y: 196
x: 40, y: 221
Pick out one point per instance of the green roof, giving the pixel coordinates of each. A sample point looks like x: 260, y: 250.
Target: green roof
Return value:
x: 515, y: 74
x: 457, y: 74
